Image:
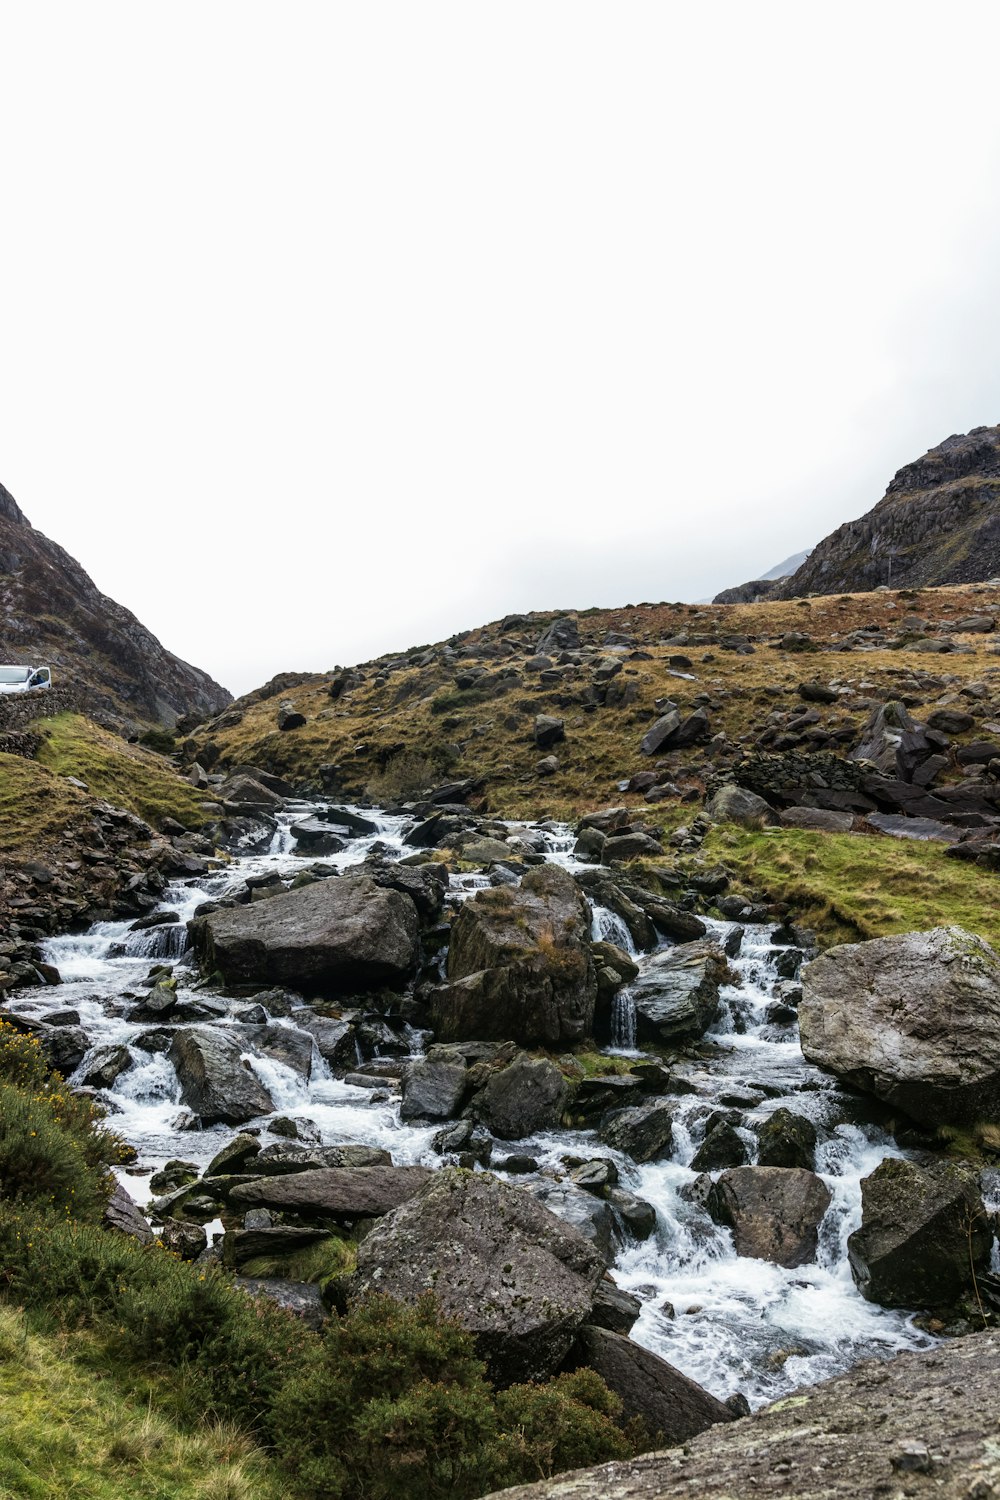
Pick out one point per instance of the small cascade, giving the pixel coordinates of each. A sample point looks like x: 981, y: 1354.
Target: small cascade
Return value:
x: 169, y: 942
x: 623, y: 1021
x: 608, y: 927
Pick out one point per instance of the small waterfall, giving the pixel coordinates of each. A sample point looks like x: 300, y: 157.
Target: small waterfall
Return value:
x: 170, y: 941
x: 608, y: 927
x: 623, y: 1021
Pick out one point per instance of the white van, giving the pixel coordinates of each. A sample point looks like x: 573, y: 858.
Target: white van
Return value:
x: 25, y: 679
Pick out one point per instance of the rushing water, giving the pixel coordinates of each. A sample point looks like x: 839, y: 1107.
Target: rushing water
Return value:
x: 729, y: 1322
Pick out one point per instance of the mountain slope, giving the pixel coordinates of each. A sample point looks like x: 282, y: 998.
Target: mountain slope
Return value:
x: 938, y: 523
x: 52, y: 613
x: 762, y: 587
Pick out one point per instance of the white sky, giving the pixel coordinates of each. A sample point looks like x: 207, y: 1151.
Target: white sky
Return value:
x: 332, y: 328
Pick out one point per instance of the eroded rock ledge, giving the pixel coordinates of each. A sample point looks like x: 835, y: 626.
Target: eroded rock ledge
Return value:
x: 923, y: 1424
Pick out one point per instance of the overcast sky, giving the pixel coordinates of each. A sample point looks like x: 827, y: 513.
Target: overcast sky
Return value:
x: 328, y: 329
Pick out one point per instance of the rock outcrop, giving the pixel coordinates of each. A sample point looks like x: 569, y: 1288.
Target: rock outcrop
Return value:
x: 913, y: 1019
x: 923, y: 1425
x: 513, y: 1274
x: 336, y: 936
x: 939, y: 522
x: 520, y: 967
x: 52, y: 612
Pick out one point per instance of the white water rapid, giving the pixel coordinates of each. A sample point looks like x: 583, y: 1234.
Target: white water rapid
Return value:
x: 731, y: 1323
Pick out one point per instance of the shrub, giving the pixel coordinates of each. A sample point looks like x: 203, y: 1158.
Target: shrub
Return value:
x: 397, y: 1402
x: 22, y: 1061
x: 404, y: 776
x: 231, y: 1352
x: 50, y: 1156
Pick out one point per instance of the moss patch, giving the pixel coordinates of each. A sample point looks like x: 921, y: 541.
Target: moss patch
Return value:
x: 126, y: 775
x: 849, y: 886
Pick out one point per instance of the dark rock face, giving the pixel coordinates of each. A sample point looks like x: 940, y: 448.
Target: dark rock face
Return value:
x: 513, y: 1274
x: 123, y: 1214
x: 939, y: 522
x: 914, y: 1020
x: 519, y: 965
x: 335, y: 936
x: 215, y: 1083
x: 677, y: 993
x: 99, y: 646
x: 922, y: 1232
x: 774, y: 1212
x: 435, y: 1086
x: 645, y: 1132
x: 527, y: 1096
x: 668, y: 1402
x: 787, y: 1140
x: 924, y: 1424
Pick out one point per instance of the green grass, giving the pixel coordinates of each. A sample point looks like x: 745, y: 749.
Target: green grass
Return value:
x: 35, y: 806
x: 125, y: 775
x: 851, y: 886
x: 68, y: 1431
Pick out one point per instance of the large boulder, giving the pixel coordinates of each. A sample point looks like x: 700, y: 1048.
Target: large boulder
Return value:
x: 515, y: 1276
x: 923, y: 1230
x: 333, y: 1192
x: 671, y: 1405
x: 336, y: 936
x: 735, y: 804
x: 527, y: 1096
x: 914, y: 1020
x: 216, y: 1083
x: 519, y: 965
x: 773, y: 1212
x: 645, y: 1131
x: 677, y: 993
x: 435, y: 1086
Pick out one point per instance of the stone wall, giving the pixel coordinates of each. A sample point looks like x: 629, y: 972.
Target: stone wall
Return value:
x: 22, y: 709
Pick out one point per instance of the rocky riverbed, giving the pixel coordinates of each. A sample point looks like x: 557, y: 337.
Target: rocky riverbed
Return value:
x: 296, y: 1041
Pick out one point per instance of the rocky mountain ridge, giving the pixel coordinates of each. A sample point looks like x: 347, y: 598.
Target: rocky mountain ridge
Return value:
x: 52, y: 613
x: 938, y: 523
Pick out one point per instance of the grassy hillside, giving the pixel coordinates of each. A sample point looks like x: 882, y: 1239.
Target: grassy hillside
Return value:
x: 68, y: 1429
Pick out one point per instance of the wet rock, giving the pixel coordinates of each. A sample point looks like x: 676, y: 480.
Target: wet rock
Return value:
x: 519, y: 965
x: 593, y: 1217
x: 786, y: 1139
x: 527, y: 1096
x: 644, y: 1132
x: 669, y: 1403
x: 314, y: 836
x: 773, y: 1212
x: 234, y: 1156
x: 914, y: 1020
x: 723, y: 1146
x: 103, y: 1065
x: 435, y: 1086
x: 334, y: 936
x: 614, y: 1309
x: 596, y: 1176
x: 923, y: 1230
x: 637, y: 1217
x: 125, y: 1216
x: 334, y: 1038
x: 512, y: 1273
x: 268, y: 1241
x: 336, y: 1193
x: 216, y: 1084
x: 677, y: 993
